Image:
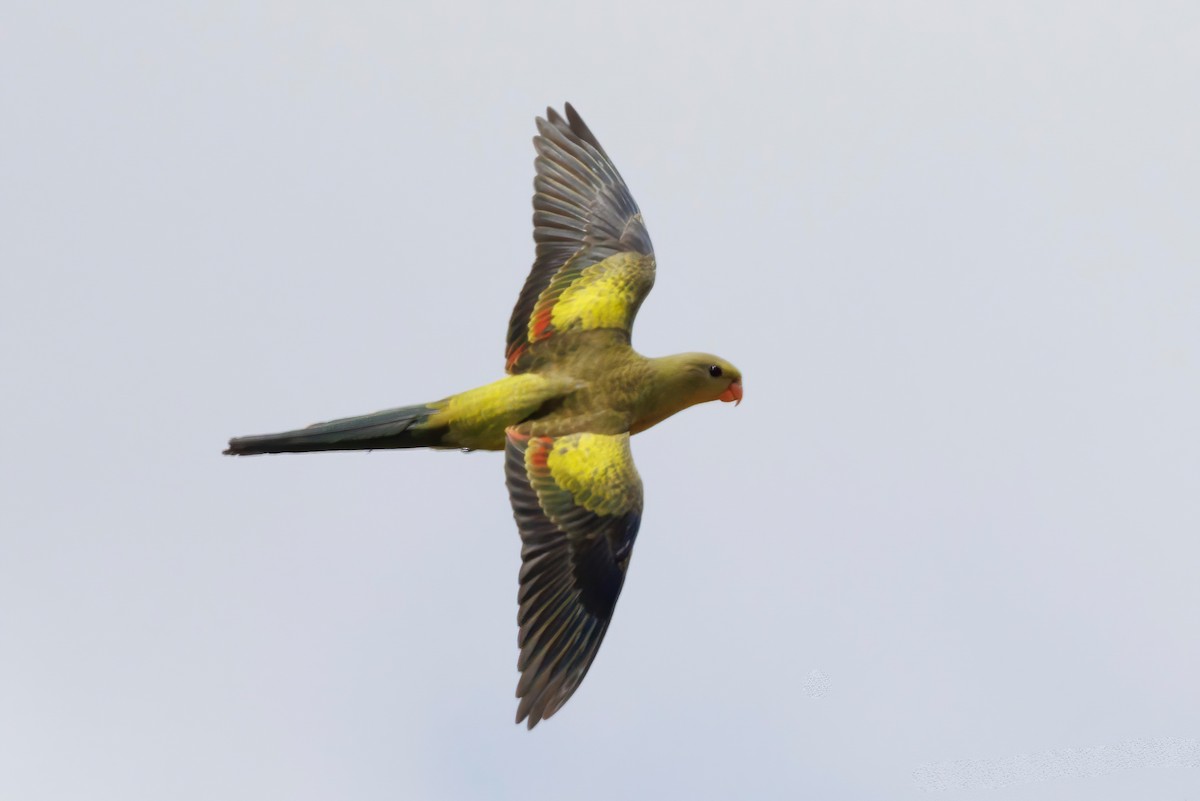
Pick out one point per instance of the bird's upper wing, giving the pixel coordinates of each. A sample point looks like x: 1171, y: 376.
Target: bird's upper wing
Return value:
x: 577, y: 499
x: 594, y: 263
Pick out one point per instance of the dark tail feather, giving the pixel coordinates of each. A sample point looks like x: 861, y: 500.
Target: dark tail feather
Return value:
x: 391, y: 428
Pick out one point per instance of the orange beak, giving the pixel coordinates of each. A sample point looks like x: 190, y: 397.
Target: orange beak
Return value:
x: 732, y: 393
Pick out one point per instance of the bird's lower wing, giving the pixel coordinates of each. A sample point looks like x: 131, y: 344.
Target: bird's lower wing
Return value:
x: 577, y: 500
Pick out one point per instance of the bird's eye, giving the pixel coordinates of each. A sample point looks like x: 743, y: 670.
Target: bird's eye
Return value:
x: 715, y: 370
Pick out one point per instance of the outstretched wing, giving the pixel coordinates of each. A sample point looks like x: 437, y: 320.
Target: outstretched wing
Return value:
x: 595, y: 263
x: 577, y: 500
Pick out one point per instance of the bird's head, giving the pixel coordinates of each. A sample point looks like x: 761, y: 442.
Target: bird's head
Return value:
x: 684, y: 380
x: 702, y: 377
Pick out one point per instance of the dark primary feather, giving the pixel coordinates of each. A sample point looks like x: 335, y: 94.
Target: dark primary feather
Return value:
x: 573, y: 564
x: 583, y: 213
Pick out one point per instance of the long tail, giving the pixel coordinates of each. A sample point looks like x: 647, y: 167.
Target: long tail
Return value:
x: 392, y: 428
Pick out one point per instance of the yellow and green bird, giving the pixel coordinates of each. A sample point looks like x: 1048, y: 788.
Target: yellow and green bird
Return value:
x: 574, y: 393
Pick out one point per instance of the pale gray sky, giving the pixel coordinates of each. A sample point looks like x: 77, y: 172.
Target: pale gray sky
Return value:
x: 953, y: 248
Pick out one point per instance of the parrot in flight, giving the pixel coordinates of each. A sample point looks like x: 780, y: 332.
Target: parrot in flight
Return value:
x: 574, y: 392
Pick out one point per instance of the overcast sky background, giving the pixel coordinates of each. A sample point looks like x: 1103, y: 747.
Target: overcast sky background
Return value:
x: 953, y: 248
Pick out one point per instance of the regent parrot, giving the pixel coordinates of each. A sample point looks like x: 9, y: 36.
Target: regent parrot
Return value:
x: 574, y: 393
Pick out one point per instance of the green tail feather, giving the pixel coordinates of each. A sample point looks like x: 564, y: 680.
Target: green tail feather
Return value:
x: 391, y: 428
